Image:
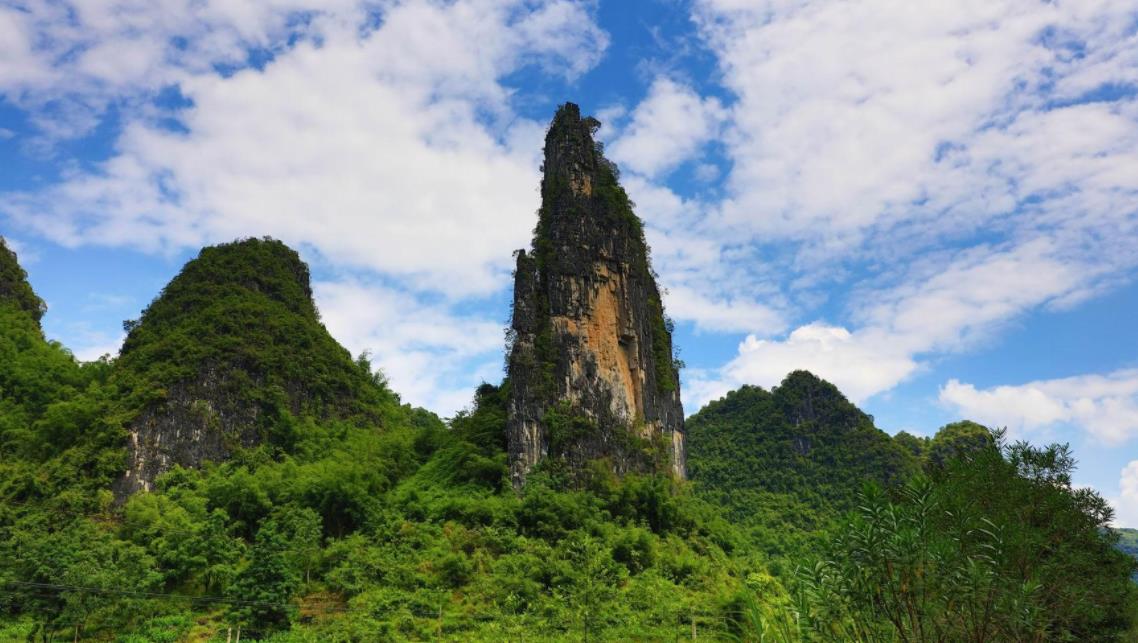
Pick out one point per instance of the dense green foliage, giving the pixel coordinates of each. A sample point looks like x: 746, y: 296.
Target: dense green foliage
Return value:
x: 243, y: 314
x: 1128, y: 543
x: 56, y: 423
x: 377, y: 521
x: 947, y: 559
x: 14, y: 286
x: 957, y: 439
x: 406, y: 534
x: 784, y: 463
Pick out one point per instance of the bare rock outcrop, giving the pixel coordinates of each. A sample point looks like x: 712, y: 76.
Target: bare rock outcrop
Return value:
x: 232, y: 355
x: 591, y: 370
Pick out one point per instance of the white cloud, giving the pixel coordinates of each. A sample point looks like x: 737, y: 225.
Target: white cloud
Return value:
x: 1105, y: 406
x: 932, y: 173
x: 378, y: 136
x: 668, y: 127
x: 860, y: 365
x: 74, y: 58
x: 720, y: 315
x: 941, y: 306
x: 92, y: 352
x: 1126, y: 504
x: 374, y: 150
x: 713, y: 286
x: 945, y: 305
x: 66, y: 62
x: 431, y: 356
x: 939, y: 112
x: 944, y: 122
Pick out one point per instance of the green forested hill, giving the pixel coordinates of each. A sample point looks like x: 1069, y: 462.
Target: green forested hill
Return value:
x: 1128, y: 540
x: 358, y: 518
x: 791, y: 459
x: 1128, y: 543
x: 233, y: 347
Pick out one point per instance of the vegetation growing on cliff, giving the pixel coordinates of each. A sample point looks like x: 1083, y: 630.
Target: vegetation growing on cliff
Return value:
x: 589, y: 388
x: 244, y: 311
x: 387, y: 523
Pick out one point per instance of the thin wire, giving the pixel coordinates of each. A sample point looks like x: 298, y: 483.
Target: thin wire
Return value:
x: 225, y: 600
x: 704, y: 617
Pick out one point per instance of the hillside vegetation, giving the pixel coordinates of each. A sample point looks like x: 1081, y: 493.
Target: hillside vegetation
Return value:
x: 349, y: 516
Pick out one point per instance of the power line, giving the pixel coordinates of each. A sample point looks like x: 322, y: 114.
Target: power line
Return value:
x: 59, y: 587
x: 226, y: 600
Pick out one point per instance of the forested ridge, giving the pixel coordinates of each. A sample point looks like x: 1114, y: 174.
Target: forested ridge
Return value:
x: 331, y: 511
x: 236, y: 473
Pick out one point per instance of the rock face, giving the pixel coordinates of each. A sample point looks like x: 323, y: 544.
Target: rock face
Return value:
x: 591, y: 369
x: 14, y: 286
x: 229, y: 356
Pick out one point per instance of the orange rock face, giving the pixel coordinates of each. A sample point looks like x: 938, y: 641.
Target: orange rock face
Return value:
x: 591, y: 369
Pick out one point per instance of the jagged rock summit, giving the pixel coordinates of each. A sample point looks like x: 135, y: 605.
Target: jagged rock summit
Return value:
x: 231, y: 355
x: 591, y: 370
x: 14, y: 286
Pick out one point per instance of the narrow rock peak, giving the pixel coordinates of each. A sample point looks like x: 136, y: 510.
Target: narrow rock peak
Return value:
x: 591, y: 367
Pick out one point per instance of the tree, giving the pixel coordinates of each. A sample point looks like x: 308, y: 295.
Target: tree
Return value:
x: 593, y: 581
x: 995, y: 545
x: 957, y: 440
x: 262, y: 594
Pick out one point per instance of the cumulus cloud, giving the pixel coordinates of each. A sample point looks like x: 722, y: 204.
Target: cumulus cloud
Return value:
x: 938, y: 113
x: 939, y: 306
x: 722, y: 315
x: 380, y: 137
x: 964, y: 166
x: 1104, y: 405
x: 668, y: 127
x: 1126, y: 504
x: 394, y: 151
x: 432, y: 357
x: 858, y: 364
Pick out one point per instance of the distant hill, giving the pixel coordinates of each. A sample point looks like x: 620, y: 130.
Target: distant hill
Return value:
x: 1128, y: 542
x: 795, y: 456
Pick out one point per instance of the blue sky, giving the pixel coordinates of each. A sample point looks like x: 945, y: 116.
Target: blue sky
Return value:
x: 936, y: 208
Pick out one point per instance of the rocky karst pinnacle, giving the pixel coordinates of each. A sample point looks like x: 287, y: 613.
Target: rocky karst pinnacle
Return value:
x: 591, y: 370
x: 230, y: 356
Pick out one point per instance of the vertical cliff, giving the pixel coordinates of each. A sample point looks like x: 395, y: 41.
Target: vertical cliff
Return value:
x: 591, y: 369
x: 232, y: 355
